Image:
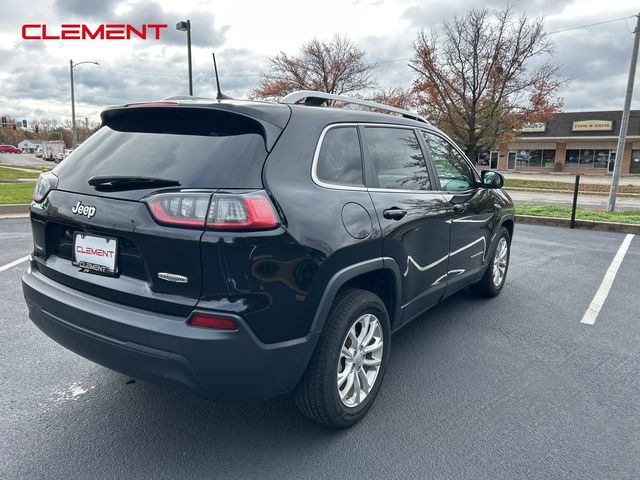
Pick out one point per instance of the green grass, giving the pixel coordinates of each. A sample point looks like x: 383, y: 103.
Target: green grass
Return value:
x: 10, y: 174
x: 559, y: 211
x: 584, y: 187
x: 16, y: 193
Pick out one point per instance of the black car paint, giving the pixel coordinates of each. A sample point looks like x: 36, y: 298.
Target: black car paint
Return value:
x: 279, y: 283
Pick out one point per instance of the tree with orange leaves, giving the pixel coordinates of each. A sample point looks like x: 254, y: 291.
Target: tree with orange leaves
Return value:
x: 487, y: 76
x: 334, y: 67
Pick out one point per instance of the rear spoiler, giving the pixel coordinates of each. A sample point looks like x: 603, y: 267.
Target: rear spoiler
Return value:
x: 140, y: 117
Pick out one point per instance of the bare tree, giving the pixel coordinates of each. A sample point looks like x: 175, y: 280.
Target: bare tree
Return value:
x: 335, y: 67
x: 396, y: 97
x: 485, y: 77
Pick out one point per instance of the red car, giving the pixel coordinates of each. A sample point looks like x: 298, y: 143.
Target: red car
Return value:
x: 9, y: 149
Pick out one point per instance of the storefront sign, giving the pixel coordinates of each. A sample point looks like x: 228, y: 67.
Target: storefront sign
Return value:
x: 533, y: 127
x: 593, y: 126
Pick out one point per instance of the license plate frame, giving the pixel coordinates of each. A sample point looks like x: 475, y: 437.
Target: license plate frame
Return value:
x: 96, y: 260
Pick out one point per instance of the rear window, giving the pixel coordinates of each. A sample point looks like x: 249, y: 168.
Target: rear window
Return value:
x: 199, y: 148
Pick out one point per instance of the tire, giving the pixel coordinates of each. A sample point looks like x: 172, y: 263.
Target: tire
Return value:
x: 488, y: 286
x: 318, y: 395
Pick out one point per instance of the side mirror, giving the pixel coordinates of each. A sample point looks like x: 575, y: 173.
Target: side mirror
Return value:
x: 491, y: 179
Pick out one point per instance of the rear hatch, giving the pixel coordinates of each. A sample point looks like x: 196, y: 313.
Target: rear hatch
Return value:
x: 101, y: 201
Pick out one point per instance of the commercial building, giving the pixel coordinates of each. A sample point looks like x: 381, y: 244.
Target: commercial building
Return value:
x: 573, y: 142
x: 50, y: 148
x: 30, y: 146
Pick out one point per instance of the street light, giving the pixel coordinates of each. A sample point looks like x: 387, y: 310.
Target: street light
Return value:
x: 186, y: 27
x: 74, y: 133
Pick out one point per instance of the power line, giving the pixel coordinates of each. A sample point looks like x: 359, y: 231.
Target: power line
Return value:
x: 579, y: 27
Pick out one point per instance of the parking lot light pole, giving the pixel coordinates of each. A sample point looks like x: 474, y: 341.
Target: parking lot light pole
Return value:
x: 74, y: 132
x: 185, y: 26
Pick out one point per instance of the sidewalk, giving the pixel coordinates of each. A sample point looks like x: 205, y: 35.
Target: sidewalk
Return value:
x: 571, y: 177
x: 584, y: 201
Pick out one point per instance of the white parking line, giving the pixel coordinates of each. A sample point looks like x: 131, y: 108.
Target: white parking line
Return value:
x: 601, y: 295
x: 14, y: 263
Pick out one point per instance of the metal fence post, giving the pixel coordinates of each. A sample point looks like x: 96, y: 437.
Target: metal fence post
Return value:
x: 575, y: 202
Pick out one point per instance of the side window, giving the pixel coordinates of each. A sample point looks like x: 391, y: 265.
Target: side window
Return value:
x: 397, y: 158
x: 453, y: 170
x: 339, y: 160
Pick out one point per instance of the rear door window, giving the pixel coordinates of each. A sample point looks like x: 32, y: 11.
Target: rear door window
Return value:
x: 340, y: 159
x: 397, y: 157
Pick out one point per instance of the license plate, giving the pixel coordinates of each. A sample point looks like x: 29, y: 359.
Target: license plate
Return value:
x: 96, y: 254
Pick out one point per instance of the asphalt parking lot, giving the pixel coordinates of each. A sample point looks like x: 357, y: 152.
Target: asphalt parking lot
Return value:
x: 24, y: 159
x: 509, y: 388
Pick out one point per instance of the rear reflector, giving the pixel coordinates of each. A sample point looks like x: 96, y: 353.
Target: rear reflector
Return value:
x: 213, y: 321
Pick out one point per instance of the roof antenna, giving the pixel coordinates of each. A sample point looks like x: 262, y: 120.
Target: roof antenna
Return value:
x: 219, y: 94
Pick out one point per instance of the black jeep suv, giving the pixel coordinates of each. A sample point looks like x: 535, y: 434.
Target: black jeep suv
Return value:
x: 244, y: 249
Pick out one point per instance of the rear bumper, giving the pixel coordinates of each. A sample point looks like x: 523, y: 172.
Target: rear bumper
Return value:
x: 163, y: 349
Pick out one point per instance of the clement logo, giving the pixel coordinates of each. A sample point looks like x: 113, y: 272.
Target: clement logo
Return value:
x: 81, y: 31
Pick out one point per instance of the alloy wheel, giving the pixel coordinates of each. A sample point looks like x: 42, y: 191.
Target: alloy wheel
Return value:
x: 360, y: 360
x: 500, y: 260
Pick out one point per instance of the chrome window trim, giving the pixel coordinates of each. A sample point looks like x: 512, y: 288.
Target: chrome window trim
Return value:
x: 337, y: 186
x: 316, y: 155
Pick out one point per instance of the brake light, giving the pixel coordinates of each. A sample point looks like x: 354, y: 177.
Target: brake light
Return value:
x: 223, y: 211
x: 246, y: 211
x: 213, y: 321
x: 153, y: 104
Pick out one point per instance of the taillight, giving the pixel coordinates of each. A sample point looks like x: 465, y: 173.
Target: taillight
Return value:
x: 180, y: 208
x: 250, y: 211
x: 46, y: 182
x: 221, y: 211
x: 216, y: 322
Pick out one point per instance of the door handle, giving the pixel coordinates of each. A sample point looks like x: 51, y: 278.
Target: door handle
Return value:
x: 394, y: 213
x: 459, y: 207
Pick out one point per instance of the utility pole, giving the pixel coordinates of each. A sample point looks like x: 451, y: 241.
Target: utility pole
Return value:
x: 74, y: 134
x: 615, y: 179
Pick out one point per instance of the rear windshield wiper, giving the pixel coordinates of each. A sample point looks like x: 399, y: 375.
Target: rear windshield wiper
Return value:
x: 125, y: 182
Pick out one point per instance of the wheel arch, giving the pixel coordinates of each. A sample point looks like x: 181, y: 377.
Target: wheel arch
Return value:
x: 373, y: 275
x: 508, y: 222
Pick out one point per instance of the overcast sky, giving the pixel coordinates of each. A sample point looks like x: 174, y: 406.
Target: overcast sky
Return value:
x: 34, y: 75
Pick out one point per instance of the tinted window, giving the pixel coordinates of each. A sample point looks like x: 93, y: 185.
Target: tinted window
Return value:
x: 339, y: 160
x: 200, y: 149
x: 397, y: 158
x: 453, y: 170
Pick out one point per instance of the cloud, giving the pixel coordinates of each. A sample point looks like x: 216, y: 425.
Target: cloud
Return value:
x: 433, y: 13
x: 203, y: 30
x: 389, y: 53
x: 35, y: 75
x: 143, y: 75
x: 93, y: 9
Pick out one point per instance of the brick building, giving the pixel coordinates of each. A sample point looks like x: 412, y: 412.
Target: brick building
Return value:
x: 574, y: 142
